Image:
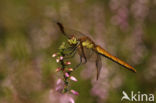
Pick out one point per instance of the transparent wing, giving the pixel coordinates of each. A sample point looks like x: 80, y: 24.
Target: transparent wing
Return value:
x: 72, y: 32
x: 98, y: 65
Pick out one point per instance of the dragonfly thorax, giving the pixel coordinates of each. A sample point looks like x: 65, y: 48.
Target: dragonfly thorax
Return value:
x: 87, y: 44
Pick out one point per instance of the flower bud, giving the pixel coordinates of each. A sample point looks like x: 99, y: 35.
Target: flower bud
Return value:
x: 68, y: 63
x: 54, y: 55
x: 61, y: 57
x: 73, y: 78
x: 71, y: 100
x: 74, y: 92
x: 70, y: 69
x: 58, y: 81
x: 57, y: 60
x: 67, y: 74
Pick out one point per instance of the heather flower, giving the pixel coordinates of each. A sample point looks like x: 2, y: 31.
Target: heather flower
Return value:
x: 59, y: 85
x: 70, y: 69
x: 61, y: 57
x: 74, y: 92
x: 62, y: 85
x: 67, y: 98
x: 59, y: 88
x: 73, y: 78
x: 68, y: 63
x: 67, y: 74
x: 58, y: 81
x: 54, y: 55
x: 57, y: 60
x: 71, y: 100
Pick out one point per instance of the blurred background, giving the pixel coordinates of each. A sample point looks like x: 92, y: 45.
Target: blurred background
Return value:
x: 28, y: 38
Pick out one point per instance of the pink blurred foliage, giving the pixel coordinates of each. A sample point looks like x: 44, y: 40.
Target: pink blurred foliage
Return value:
x: 150, y: 72
x: 139, y: 10
x: 121, y: 13
x: 55, y: 97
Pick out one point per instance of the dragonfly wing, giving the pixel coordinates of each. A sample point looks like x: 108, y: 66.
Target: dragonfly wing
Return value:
x: 98, y: 65
x: 75, y: 33
x: 89, y: 54
x: 113, y: 58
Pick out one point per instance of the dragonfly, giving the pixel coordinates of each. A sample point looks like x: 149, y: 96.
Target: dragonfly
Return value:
x: 87, y: 48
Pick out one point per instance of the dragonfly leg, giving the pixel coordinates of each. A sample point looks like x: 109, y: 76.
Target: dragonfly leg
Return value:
x: 83, y: 55
x: 71, y: 55
x: 79, y: 63
x: 69, y: 49
x: 73, y: 49
x: 85, y: 60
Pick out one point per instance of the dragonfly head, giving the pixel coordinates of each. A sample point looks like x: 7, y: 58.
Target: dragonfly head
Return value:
x: 73, y: 41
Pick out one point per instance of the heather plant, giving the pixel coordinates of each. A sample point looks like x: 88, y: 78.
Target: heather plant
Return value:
x: 62, y: 85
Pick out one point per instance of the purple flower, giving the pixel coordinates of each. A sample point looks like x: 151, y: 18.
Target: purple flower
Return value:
x: 71, y: 100
x: 59, y: 85
x: 59, y: 88
x: 74, y: 92
x: 59, y: 81
x: 66, y: 98
x: 61, y: 57
x: 67, y: 74
x: 73, y: 78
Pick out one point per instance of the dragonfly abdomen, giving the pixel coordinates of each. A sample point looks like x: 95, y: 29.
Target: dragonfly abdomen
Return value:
x: 113, y: 58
